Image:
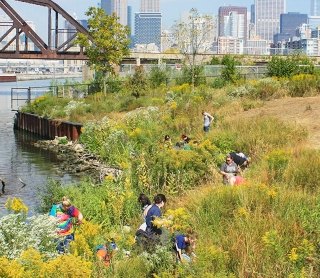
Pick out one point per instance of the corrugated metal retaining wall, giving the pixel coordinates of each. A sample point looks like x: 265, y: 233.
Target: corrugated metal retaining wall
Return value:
x: 47, y: 128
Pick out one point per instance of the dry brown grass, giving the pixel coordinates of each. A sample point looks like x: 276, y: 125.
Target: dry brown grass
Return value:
x: 302, y: 111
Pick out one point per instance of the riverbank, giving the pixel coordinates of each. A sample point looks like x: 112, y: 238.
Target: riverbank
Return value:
x: 76, y: 160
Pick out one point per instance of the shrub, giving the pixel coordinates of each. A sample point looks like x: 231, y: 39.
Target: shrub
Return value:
x: 266, y: 89
x: 282, y: 67
x: 229, y: 73
x: 158, y: 76
x: 137, y: 84
x: 47, y: 106
x: 218, y: 83
x: 114, y: 84
x: 186, y: 75
x: 302, y: 85
x: 18, y: 232
x: 289, y: 66
x: 159, y: 261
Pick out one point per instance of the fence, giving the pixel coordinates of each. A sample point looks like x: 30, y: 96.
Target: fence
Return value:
x: 23, y: 95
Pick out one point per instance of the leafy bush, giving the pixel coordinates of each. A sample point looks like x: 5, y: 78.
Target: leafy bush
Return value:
x: 218, y: 83
x: 229, y: 73
x: 263, y: 89
x: 186, y: 75
x: 266, y: 89
x: 137, y: 83
x: 289, y: 66
x: 159, y: 261
x: 158, y: 76
x: 31, y: 263
x: 114, y: 84
x: 47, y: 106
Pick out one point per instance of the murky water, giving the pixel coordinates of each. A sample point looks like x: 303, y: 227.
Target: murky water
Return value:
x: 19, y: 159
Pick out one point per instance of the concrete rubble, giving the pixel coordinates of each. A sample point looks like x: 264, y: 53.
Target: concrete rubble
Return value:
x: 75, y: 159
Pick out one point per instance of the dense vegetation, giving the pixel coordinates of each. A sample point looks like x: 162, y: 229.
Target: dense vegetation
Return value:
x: 268, y: 227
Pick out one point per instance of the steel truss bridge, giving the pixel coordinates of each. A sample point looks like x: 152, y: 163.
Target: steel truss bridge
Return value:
x: 54, y: 49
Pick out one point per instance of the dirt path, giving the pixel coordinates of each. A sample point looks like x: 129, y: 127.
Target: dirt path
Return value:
x: 302, y: 111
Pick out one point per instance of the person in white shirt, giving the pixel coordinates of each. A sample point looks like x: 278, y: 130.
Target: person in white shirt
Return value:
x: 207, y: 120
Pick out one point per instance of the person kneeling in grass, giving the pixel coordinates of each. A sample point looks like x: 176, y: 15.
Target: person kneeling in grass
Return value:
x: 184, y: 246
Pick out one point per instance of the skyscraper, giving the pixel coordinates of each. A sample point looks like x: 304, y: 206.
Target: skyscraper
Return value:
x: 150, y: 6
x: 291, y: 21
x: 267, y: 13
x: 233, y: 22
x: 147, y: 23
x: 119, y: 7
x: 315, y: 8
x: 147, y: 28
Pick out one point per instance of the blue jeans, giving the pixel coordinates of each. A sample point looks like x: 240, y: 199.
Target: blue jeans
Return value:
x: 206, y: 128
x: 63, y: 243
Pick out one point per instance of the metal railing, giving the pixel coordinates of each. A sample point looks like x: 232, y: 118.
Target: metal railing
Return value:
x: 24, y: 95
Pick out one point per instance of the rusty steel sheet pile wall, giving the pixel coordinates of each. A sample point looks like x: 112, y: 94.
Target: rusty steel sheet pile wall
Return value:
x: 47, y: 128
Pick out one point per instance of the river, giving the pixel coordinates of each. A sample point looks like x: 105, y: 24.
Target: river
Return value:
x: 19, y: 159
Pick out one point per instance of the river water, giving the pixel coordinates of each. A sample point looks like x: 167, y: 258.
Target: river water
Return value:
x: 19, y: 159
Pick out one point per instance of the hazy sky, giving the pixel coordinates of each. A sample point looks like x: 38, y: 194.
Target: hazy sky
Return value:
x: 171, y: 9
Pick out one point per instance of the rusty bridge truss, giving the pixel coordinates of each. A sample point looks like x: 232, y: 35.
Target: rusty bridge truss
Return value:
x: 15, y: 42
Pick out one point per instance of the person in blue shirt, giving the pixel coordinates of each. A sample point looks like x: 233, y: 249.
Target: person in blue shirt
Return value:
x: 153, y: 212
x: 183, y: 246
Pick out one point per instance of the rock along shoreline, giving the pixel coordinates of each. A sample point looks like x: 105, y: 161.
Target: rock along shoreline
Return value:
x: 75, y: 159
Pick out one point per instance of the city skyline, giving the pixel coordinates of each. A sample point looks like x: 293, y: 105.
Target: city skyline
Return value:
x: 171, y: 9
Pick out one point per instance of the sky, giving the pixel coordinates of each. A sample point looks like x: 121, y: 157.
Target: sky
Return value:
x: 171, y: 9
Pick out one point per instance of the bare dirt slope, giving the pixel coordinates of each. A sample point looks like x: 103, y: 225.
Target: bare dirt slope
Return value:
x: 302, y: 111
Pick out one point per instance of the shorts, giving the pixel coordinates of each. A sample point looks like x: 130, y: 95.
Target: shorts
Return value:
x: 206, y: 128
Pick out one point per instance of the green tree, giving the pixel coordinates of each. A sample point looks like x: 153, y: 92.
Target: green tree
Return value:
x: 229, y: 72
x: 110, y: 41
x: 138, y: 83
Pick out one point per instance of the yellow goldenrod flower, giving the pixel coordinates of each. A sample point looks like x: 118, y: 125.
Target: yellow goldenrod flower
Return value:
x: 16, y: 205
x: 293, y: 255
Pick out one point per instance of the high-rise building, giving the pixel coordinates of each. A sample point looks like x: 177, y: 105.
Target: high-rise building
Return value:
x: 129, y: 18
x: 150, y: 6
x: 233, y: 22
x: 267, y: 17
x: 314, y: 21
x: 147, y: 28
x: 252, y: 14
x: 119, y: 7
x: 315, y: 8
x: 289, y: 22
